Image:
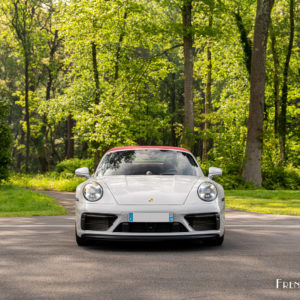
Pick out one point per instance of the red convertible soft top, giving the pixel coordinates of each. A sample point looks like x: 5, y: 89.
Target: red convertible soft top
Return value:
x: 148, y: 147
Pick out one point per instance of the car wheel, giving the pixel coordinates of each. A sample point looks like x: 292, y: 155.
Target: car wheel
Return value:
x: 218, y: 241
x: 81, y: 241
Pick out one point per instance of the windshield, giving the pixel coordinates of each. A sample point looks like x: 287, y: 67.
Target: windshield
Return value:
x: 148, y: 162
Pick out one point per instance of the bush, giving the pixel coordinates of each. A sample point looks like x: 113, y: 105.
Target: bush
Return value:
x: 230, y: 182
x: 69, y: 166
x: 5, y: 141
x: 230, y: 179
x: 274, y: 177
x: 277, y: 177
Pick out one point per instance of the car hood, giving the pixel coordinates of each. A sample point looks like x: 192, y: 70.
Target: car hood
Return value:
x: 150, y: 189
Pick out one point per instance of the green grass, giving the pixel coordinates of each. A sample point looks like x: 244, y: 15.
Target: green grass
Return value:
x: 50, y: 182
x: 278, y: 202
x: 19, y: 202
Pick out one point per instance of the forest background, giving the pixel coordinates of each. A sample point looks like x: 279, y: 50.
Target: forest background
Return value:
x: 80, y: 77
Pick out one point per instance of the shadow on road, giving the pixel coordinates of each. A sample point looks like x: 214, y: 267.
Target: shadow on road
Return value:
x: 159, y: 246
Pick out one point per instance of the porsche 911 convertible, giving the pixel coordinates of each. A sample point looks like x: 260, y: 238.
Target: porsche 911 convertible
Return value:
x: 149, y: 193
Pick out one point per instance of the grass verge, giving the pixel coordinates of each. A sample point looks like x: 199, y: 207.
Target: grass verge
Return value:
x: 277, y: 202
x: 20, y: 202
x: 48, y: 182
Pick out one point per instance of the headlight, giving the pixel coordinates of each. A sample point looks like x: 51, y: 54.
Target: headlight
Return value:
x: 93, y: 191
x: 207, y: 191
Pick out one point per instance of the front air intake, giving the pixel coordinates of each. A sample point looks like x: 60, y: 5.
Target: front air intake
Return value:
x: 150, y: 227
x: 97, y: 222
x: 203, y: 222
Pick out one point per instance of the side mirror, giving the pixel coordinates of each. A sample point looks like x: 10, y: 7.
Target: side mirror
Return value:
x: 214, y: 172
x: 82, y: 172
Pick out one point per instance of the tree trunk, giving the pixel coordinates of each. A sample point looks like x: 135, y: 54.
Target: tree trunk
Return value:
x: 118, y: 53
x: 173, y: 110
x: 20, y: 156
x: 43, y: 157
x: 95, y: 144
x: 276, y: 78
x: 22, y: 15
x: 96, y: 73
x: 52, y: 142
x: 70, y: 139
x: 84, y: 150
x: 188, y: 73
x: 207, y: 99
x: 27, y: 119
x: 252, y: 168
x: 245, y: 41
x: 282, y: 116
x: 42, y: 149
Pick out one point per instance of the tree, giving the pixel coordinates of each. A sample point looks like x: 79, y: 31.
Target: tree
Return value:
x: 207, y: 98
x: 284, y: 93
x: 22, y: 19
x: 275, y: 78
x: 188, y: 72
x: 252, y: 168
x: 111, y: 73
x: 52, y: 66
x: 5, y: 140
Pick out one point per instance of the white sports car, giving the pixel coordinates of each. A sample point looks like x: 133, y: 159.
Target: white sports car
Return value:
x: 149, y: 193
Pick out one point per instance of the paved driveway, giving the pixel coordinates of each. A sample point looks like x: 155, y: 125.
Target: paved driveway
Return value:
x: 39, y: 259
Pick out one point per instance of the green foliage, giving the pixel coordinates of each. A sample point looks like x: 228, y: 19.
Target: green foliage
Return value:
x: 230, y: 179
x: 277, y: 177
x: 20, y: 202
x: 5, y: 141
x: 139, y: 98
x: 128, y: 46
x: 274, y: 177
x: 68, y: 166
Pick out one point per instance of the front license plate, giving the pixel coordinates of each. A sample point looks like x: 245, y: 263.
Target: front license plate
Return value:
x: 151, y: 217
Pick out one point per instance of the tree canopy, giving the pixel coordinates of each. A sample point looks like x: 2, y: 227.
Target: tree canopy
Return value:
x: 83, y: 76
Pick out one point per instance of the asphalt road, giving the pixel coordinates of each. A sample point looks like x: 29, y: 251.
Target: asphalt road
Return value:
x: 39, y: 259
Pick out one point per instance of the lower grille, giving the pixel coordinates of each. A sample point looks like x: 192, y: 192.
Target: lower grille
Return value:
x: 201, y: 222
x: 150, y: 227
x: 97, y: 222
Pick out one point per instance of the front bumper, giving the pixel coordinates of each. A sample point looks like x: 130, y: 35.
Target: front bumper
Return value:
x: 110, y: 229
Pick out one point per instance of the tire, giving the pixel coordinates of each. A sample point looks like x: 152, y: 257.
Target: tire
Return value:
x: 81, y: 242
x: 218, y: 241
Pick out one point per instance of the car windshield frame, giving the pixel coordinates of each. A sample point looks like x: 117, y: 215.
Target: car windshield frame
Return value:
x: 137, y: 162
